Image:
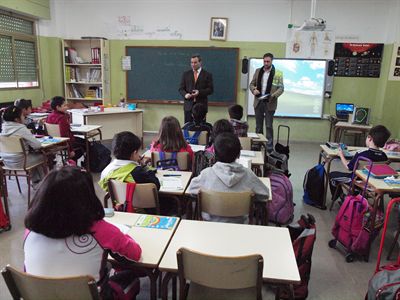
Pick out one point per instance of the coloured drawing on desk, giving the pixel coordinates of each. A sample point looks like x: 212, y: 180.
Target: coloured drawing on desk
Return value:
x: 156, y: 222
x: 48, y: 140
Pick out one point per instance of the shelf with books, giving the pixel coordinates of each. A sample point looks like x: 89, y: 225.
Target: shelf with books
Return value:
x: 86, y: 70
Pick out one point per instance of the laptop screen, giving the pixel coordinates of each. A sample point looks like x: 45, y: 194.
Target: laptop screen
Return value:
x: 344, y: 108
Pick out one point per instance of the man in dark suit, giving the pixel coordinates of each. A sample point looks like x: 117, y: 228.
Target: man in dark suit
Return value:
x: 196, y: 85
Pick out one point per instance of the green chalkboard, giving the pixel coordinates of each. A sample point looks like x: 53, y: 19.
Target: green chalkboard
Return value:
x: 156, y: 73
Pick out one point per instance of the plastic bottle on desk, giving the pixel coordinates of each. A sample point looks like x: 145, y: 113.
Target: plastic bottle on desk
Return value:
x: 122, y: 102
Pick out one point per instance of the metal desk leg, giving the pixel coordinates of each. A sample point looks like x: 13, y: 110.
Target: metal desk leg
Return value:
x: 327, y: 162
x: 377, y: 201
x: 164, y: 285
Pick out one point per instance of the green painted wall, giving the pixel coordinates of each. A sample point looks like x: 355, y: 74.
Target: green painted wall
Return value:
x: 378, y: 94
x: 34, y: 8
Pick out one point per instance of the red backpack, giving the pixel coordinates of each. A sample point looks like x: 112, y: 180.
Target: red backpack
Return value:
x: 4, y: 214
x: 303, y: 234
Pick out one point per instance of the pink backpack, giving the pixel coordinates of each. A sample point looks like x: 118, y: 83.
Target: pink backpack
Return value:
x: 281, y: 208
x: 349, y: 220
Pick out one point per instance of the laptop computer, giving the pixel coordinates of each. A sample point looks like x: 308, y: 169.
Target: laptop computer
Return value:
x: 343, y: 110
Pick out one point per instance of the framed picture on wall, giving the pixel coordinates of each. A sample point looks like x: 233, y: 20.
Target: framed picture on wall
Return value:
x: 218, y: 29
x: 394, y: 72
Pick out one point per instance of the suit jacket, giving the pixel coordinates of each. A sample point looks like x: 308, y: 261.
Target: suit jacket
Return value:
x: 204, y: 85
x: 276, y: 89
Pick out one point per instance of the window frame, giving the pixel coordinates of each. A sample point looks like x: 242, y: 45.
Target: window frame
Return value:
x: 22, y: 37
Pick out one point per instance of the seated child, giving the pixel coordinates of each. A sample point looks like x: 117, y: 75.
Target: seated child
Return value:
x: 170, y: 138
x: 14, y: 125
x: 36, y: 126
x: 66, y: 234
x: 226, y: 175
x: 126, y: 165
x: 219, y: 127
x: 60, y: 116
x: 377, y: 137
x: 235, y: 114
x: 199, y: 113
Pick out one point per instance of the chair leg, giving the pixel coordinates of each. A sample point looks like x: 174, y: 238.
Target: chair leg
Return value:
x: 16, y: 178
x: 334, y: 197
x: 28, y: 180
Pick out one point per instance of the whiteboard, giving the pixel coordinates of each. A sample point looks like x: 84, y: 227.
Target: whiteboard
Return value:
x: 304, y: 82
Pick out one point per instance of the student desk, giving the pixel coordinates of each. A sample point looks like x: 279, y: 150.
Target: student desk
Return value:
x: 341, y: 127
x: 258, y: 138
x: 113, y: 120
x: 176, y: 193
x: 153, y: 242
x: 224, y: 239
x: 380, y: 188
x: 87, y: 132
x: 327, y: 154
x: 53, y: 146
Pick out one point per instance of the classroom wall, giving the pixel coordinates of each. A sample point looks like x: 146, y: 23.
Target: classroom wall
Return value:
x: 33, y: 8
x: 186, y: 23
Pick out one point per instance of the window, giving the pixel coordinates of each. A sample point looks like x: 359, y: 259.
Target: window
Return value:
x: 18, y: 55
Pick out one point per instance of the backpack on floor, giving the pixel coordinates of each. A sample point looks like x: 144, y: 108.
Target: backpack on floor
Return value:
x: 278, y: 161
x: 100, y: 156
x: 385, y: 283
x: 313, y: 186
x: 202, y: 159
x: 4, y: 219
x: 168, y: 164
x: 303, y: 234
x: 281, y: 208
x: 191, y: 139
x: 121, y: 285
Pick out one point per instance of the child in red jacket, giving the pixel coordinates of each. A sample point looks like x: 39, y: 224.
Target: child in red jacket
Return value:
x: 60, y: 116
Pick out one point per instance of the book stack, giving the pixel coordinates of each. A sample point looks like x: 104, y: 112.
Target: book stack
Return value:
x: 95, y: 55
x: 94, y: 75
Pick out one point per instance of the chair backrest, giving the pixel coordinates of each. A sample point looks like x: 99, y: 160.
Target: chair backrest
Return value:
x: 182, y: 157
x: 226, y: 204
x: 11, y: 144
x: 220, y: 272
x: 203, y: 137
x: 29, y: 287
x: 53, y: 129
x: 145, y: 195
x: 245, y: 142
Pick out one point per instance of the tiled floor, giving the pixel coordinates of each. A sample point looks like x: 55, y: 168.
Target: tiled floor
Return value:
x: 331, y: 276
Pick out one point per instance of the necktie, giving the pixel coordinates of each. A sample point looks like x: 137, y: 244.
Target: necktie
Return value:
x: 195, y: 75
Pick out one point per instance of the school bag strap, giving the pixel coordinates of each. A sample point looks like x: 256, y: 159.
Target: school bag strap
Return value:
x: 194, y: 139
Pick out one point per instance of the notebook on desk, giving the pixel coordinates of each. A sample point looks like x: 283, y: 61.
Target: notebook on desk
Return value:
x: 381, y: 170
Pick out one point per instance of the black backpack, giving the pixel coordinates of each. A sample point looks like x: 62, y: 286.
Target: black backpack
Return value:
x: 100, y: 156
x: 202, y: 159
x: 313, y: 185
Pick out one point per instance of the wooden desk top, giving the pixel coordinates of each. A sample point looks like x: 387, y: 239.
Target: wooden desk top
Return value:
x: 393, y: 156
x: 107, y: 111
x: 260, y: 139
x: 45, y: 143
x: 153, y: 241
x: 267, y: 182
x: 85, y: 128
x: 378, y: 184
x: 258, y: 159
x: 184, y: 177
x: 348, y: 125
x: 224, y: 239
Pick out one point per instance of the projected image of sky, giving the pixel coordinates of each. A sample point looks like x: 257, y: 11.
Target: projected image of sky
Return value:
x: 304, y: 87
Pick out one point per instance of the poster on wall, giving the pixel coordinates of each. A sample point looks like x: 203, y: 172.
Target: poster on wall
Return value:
x: 358, y: 59
x: 394, y: 73
x: 310, y: 44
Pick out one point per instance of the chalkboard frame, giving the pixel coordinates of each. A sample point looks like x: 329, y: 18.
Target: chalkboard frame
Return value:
x: 180, y: 101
